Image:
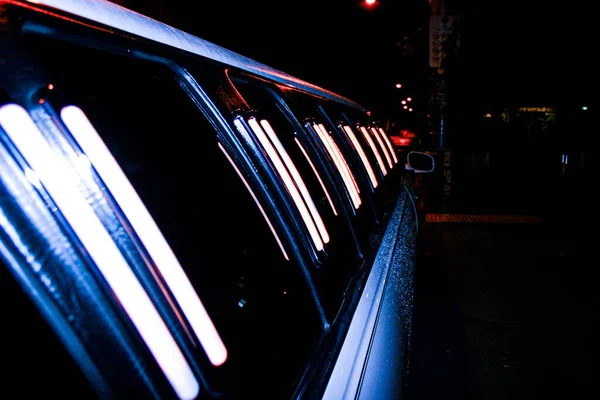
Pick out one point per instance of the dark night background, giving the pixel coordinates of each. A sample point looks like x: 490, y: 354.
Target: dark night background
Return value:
x: 340, y: 45
x: 512, y: 50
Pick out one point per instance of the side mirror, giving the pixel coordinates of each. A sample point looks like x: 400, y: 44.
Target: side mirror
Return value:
x: 419, y: 162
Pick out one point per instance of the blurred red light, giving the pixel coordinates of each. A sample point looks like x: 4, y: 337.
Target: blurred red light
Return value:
x: 400, y: 141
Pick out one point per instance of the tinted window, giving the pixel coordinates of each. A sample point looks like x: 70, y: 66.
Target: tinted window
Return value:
x: 173, y: 157
x: 364, y: 220
x: 334, y: 266
x: 379, y: 150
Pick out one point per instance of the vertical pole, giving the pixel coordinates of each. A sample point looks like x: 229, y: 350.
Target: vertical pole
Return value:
x: 437, y: 97
x: 439, y: 31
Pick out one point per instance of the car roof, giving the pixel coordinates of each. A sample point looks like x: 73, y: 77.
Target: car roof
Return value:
x: 120, y: 18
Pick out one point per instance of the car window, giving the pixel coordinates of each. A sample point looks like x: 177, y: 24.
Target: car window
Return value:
x: 335, y: 266
x: 253, y: 293
x: 367, y: 159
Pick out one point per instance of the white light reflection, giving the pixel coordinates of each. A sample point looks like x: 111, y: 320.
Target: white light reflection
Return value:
x: 297, y: 178
x: 287, y: 179
x: 374, y: 149
x: 61, y: 183
x: 362, y: 155
x: 383, y: 148
x: 149, y: 233
x: 340, y: 156
x: 336, y: 156
x: 389, y: 144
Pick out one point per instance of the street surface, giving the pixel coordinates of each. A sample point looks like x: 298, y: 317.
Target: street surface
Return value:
x: 506, y: 308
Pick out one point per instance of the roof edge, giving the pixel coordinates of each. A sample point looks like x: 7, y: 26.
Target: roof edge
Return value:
x: 123, y: 19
